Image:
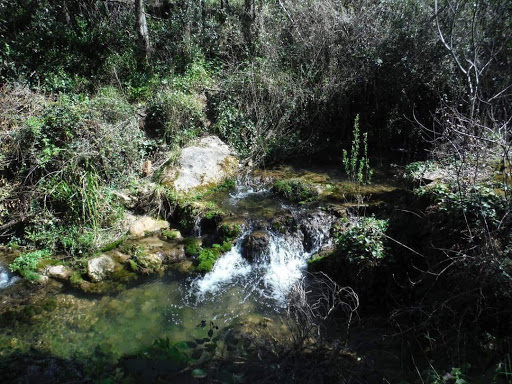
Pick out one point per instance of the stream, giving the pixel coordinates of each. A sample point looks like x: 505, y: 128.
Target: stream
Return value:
x: 72, y: 324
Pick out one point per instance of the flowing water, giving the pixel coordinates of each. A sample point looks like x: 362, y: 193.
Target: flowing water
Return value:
x: 6, y: 279
x: 182, y: 308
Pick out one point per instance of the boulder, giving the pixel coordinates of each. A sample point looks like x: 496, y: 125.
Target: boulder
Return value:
x: 59, y: 272
x: 204, y: 164
x: 255, y: 245
x: 146, y: 224
x: 100, y: 267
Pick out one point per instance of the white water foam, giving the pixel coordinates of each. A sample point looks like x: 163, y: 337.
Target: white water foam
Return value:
x: 271, y: 277
x: 229, y: 267
x: 242, y: 191
x: 5, y: 278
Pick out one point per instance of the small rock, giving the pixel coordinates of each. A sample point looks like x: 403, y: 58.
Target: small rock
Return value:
x: 59, y: 272
x: 100, y: 267
x: 121, y: 257
x: 146, y: 224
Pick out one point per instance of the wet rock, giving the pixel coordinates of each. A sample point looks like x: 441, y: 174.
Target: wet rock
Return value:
x: 59, y: 272
x: 100, y: 267
x: 204, y: 164
x: 174, y: 253
x: 315, y: 227
x: 146, y: 224
x: 121, y: 257
x: 255, y: 245
x: 149, y: 263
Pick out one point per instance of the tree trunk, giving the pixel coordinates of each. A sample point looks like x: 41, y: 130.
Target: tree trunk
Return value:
x: 142, y: 33
x: 247, y: 23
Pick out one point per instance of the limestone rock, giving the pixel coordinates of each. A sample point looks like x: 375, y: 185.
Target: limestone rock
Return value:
x: 149, y: 262
x: 174, y: 254
x: 204, y: 164
x: 100, y: 267
x: 145, y: 224
x: 255, y: 245
x: 59, y: 272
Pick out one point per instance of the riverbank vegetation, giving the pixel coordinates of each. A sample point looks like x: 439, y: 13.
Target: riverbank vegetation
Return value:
x: 98, y: 97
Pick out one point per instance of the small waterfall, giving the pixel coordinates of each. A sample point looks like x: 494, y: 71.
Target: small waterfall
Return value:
x: 6, y: 278
x: 270, y: 276
x: 230, y: 267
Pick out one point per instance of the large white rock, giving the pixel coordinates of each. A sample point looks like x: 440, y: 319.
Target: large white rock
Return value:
x: 204, y: 164
x: 100, y: 267
x: 146, y: 224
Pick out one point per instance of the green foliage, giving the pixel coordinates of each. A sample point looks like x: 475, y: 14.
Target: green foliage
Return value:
x: 480, y: 206
x: 169, y: 234
x: 235, y: 128
x: 229, y: 232
x: 176, y: 117
x: 357, y: 165
x: 192, y: 248
x: 207, y: 256
x: 363, y: 241
x: 415, y: 170
x: 172, y: 351
x: 26, y: 264
x: 295, y: 190
x: 76, y: 278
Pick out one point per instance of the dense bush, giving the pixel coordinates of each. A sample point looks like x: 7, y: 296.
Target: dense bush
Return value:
x: 67, y: 159
x: 364, y: 241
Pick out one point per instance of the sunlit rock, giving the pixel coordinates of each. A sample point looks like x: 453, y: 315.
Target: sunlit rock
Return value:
x: 59, y: 272
x: 202, y: 165
x: 100, y: 267
x: 146, y: 224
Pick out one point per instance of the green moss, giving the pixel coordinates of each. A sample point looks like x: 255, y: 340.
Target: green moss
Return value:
x: 191, y: 247
x: 169, y: 234
x: 123, y: 276
x: 295, y: 190
x: 76, y: 278
x: 229, y: 232
x: 207, y: 258
x: 133, y: 265
x: 113, y: 245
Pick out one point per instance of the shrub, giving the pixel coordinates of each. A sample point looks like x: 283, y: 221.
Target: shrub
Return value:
x: 363, y: 241
x: 357, y: 165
